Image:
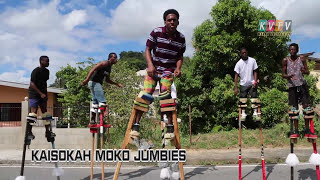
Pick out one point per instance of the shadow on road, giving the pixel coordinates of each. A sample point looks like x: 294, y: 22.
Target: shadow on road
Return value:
x: 98, y: 176
x: 199, y: 170
x: 307, y: 174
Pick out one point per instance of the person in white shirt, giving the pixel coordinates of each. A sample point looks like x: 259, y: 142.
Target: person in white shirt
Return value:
x: 247, y: 69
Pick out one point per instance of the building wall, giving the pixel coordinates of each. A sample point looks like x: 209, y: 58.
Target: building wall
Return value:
x: 16, y: 95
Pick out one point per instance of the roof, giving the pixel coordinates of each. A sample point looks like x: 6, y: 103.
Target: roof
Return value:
x: 26, y: 86
x: 307, y: 54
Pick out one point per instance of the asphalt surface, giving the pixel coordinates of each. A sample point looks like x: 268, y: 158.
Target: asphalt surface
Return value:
x: 303, y: 171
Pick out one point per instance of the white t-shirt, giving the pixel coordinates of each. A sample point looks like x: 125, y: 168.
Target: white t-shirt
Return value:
x: 245, y: 70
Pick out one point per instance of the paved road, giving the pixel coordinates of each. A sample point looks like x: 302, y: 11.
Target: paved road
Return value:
x: 249, y: 172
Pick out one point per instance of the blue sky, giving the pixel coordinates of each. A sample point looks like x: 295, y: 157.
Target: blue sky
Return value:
x: 69, y: 31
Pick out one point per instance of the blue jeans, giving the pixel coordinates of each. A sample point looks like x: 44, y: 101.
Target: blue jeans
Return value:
x: 96, y: 92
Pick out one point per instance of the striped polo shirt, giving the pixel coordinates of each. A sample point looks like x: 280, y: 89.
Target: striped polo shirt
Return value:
x: 165, y: 51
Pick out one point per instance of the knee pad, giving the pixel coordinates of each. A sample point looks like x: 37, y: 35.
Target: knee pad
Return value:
x: 255, y: 103
x: 168, y: 105
x: 142, y: 101
x: 146, y: 96
x: 165, y: 95
x: 242, y: 102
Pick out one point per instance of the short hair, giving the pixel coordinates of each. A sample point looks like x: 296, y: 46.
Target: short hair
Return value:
x: 243, y: 48
x: 42, y: 58
x: 111, y: 54
x: 170, y: 11
x: 295, y: 45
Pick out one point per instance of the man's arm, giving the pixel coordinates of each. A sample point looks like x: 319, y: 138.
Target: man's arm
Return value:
x: 177, y: 71
x: 255, y: 76
x: 108, y: 80
x: 305, y: 69
x: 99, y: 65
x: 33, y: 86
x: 284, y: 69
x: 151, y: 69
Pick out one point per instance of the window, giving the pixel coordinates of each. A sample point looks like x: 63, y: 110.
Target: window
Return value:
x: 10, y: 112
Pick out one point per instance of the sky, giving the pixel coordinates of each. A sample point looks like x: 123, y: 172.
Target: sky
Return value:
x: 70, y: 31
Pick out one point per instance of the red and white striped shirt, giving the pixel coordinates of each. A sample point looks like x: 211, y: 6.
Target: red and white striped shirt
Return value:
x: 166, y: 52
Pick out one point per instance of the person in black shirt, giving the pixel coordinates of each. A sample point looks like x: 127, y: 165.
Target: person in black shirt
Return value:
x: 38, y: 95
x: 95, y: 79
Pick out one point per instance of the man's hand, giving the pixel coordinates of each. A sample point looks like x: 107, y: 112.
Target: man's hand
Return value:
x: 151, y: 71
x: 177, y: 73
x: 43, y: 95
x: 85, y: 82
x: 120, y: 85
x: 235, y: 91
x: 255, y: 85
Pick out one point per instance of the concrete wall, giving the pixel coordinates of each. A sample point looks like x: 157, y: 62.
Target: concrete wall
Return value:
x: 72, y: 138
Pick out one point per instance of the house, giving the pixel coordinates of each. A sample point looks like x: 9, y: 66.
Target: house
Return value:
x: 11, y: 95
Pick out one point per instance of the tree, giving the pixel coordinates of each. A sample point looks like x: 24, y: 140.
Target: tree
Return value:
x: 78, y: 98
x: 208, y: 81
x: 134, y: 59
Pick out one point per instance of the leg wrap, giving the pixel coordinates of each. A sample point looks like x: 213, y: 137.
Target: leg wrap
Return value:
x: 243, y: 102
x: 32, y: 118
x: 47, y: 117
x: 168, y: 105
x: 308, y: 113
x: 165, y: 95
x: 255, y: 103
x: 293, y: 113
x: 142, y: 102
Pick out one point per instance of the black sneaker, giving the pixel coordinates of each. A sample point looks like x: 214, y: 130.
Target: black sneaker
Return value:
x: 170, y: 128
x: 50, y: 136
x: 136, y: 127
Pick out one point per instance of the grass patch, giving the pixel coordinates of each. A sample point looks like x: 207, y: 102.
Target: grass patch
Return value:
x: 277, y: 136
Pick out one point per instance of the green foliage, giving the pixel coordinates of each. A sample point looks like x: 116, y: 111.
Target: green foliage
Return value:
x: 274, y: 106
x: 75, y: 97
x: 207, y: 82
x: 134, y: 59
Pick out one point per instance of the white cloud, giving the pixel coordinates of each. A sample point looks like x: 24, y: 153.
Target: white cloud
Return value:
x: 304, y: 14
x: 74, y: 18
x: 18, y: 76
x: 36, y: 29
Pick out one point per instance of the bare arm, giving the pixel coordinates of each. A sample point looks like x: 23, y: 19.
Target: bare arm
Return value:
x: 255, y: 76
x: 305, y: 69
x: 284, y: 69
x: 177, y: 72
x: 151, y: 69
x: 108, y: 80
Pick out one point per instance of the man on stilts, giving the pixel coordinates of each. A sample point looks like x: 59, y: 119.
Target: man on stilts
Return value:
x: 293, y: 69
x: 247, y: 69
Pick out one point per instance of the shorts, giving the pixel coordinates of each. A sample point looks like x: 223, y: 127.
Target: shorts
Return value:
x: 244, y: 90
x: 299, y: 94
x: 38, y: 102
x: 151, y: 82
